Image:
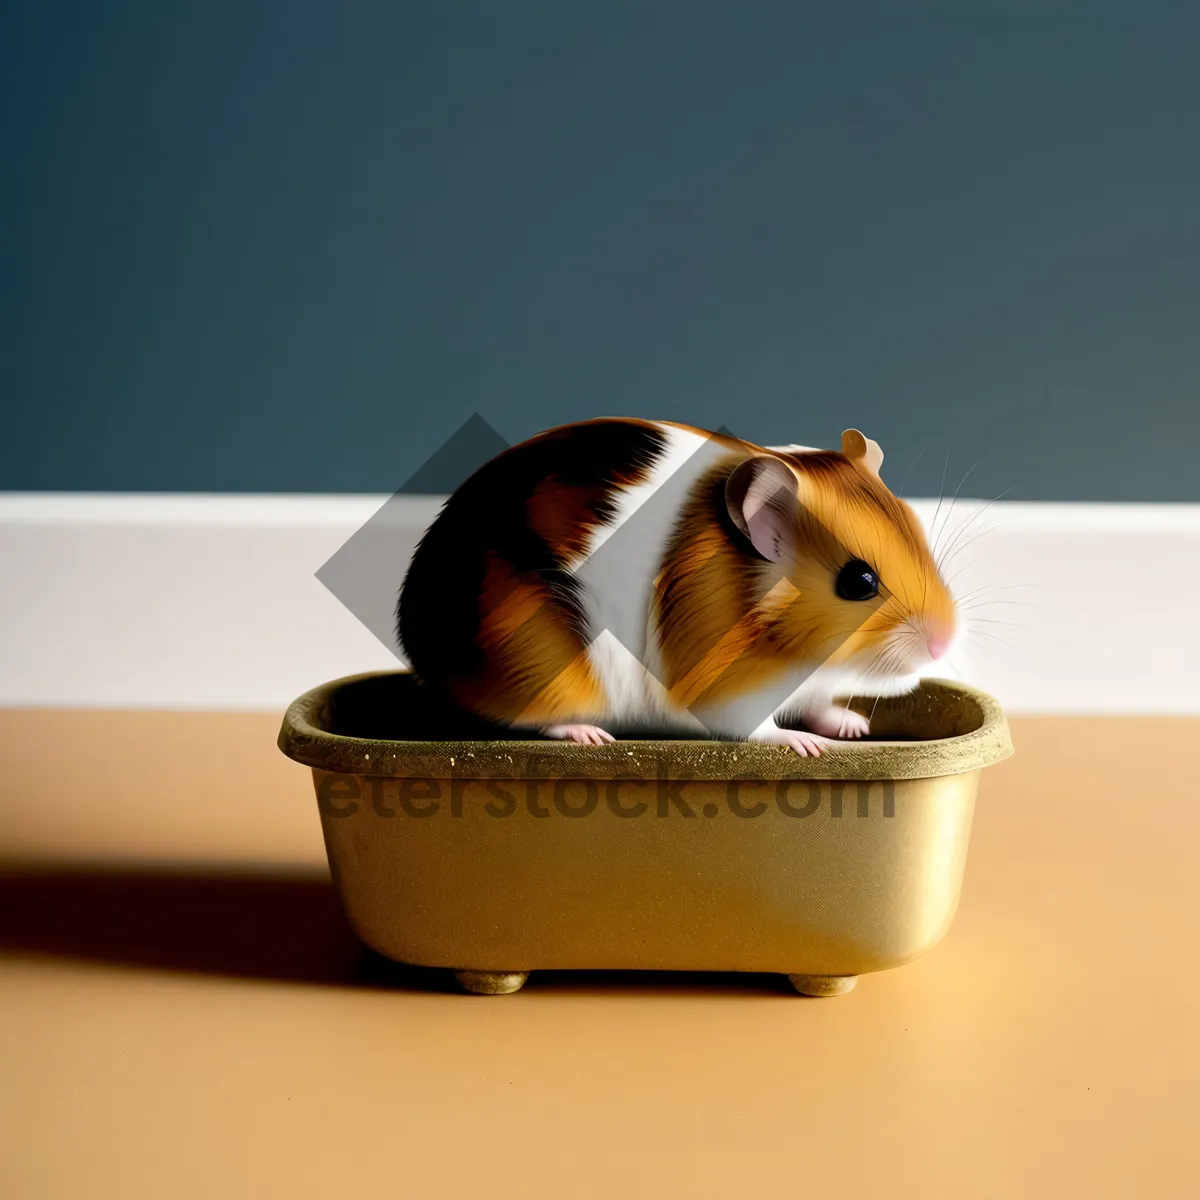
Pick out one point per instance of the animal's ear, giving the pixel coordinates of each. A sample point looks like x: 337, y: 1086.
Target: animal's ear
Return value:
x: 762, y: 496
x: 862, y: 452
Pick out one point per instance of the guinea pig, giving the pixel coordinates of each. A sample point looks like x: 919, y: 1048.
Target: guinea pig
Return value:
x: 622, y: 574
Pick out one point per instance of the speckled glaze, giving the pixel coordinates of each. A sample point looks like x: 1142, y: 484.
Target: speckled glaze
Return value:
x: 454, y: 846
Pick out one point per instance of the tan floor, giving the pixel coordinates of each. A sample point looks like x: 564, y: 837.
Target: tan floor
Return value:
x: 215, y: 1032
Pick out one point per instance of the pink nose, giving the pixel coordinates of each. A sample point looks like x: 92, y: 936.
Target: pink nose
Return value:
x: 937, y: 646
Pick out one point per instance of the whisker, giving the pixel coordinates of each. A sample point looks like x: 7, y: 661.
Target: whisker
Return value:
x: 909, y: 472
x: 983, y: 602
x: 979, y: 512
x: 873, y: 708
x: 941, y: 490
x: 994, y: 637
x: 958, y: 544
x: 964, y: 567
x: 995, y: 589
x: 954, y: 498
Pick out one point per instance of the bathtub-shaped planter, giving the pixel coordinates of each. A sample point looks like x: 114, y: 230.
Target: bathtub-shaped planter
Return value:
x: 452, y: 847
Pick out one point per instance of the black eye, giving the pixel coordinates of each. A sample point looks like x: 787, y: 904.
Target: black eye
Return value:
x: 856, y: 581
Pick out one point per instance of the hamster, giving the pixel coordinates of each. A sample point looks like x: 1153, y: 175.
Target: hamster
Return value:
x: 623, y: 574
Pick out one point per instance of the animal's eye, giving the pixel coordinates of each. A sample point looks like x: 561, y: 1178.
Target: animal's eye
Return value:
x: 857, y: 581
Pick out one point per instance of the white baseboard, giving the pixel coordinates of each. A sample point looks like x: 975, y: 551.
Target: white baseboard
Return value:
x: 211, y: 601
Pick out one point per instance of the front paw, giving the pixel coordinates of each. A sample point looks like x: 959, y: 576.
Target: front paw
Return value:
x: 838, y: 723
x: 804, y: 743
x: 581, y: 735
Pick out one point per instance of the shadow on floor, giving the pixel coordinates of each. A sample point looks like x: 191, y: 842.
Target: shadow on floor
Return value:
x: 274, y: 928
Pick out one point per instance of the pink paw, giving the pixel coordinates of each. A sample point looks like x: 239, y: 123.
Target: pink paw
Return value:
x: 838, y: 723
x: 804, y: 743
x: 854, y: 725
x: 582, y: 735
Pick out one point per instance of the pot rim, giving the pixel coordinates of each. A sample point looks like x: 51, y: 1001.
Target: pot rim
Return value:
x: 302, y: 739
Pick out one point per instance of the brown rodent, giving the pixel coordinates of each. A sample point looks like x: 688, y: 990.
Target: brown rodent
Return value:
x: 628, y: 574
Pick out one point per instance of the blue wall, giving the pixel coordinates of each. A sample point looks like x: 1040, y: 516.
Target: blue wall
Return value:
x: 292, y: 246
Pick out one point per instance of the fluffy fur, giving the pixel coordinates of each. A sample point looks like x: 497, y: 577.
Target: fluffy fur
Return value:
x: 629, y: 574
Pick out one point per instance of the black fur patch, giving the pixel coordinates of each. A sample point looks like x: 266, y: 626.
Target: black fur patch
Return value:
x: 441, y: 602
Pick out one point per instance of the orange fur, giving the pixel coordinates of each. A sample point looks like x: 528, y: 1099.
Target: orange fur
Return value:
x: 743, y: 651
x: 536, y: 666
x: 727, y: 623
x: 493, y: 612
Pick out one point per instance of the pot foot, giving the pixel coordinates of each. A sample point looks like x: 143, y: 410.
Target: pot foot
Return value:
x: 492, y: 983
x: 823, y: 985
